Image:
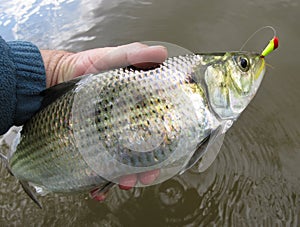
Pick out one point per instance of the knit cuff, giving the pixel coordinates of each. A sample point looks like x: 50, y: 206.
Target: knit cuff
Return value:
x: 7, y: 88
x: 30, y: 79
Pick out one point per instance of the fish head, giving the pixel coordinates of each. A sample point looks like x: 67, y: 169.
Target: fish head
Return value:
x: 232, y: 80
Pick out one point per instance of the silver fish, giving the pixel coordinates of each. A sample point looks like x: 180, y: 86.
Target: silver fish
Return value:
x: 96, y: 128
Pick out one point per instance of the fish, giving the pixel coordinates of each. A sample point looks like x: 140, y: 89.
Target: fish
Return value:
x: 94, y: 129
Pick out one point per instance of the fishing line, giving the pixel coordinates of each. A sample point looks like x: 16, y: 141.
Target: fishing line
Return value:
x: 257, y: 31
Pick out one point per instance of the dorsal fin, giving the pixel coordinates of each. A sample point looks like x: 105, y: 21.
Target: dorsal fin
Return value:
x: 53, y: 93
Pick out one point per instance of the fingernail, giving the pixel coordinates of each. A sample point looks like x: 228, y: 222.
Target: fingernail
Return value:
x: 157, y: 46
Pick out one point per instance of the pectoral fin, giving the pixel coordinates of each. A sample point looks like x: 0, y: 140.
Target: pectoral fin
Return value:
x: 206, y: 146
x: 197, y: 155
x: 213, y: 149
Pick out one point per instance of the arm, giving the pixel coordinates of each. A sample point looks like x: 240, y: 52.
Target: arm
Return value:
x: 22, y: 78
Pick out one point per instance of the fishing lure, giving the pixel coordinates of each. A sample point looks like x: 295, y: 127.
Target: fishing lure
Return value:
x: 273, y: 44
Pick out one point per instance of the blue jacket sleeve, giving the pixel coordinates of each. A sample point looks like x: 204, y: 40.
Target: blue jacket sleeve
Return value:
x: 22, y: 78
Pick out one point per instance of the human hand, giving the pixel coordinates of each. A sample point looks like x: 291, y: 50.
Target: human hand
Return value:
x: 63, y: 66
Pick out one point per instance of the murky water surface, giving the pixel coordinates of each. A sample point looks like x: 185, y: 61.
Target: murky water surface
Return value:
x: 255, y: 179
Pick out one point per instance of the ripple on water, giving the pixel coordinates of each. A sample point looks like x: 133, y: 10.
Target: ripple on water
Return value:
x: 40, y: 21
x: 251, y: 187
x: 253, y: 181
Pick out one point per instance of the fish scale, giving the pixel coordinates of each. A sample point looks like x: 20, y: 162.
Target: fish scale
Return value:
x: 55, y: 135
x: 126, y: 121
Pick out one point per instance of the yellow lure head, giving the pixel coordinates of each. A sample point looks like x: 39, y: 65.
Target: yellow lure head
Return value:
x: 273, y: 44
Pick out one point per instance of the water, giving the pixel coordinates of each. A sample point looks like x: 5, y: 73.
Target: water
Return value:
x: 255, y: 179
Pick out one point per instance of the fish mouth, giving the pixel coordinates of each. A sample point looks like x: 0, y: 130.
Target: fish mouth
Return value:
x: 258, y: 77
x: 261, y: 69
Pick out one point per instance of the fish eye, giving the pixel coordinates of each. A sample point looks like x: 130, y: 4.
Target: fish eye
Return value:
x: 243, y: 63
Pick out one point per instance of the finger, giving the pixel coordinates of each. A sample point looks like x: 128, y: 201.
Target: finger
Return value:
x: 97, y: 60
x: 127, y: 182
x: 132, y: 54
x: 101, y: 59
x: 147, y: 57
x: 149, y: 177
